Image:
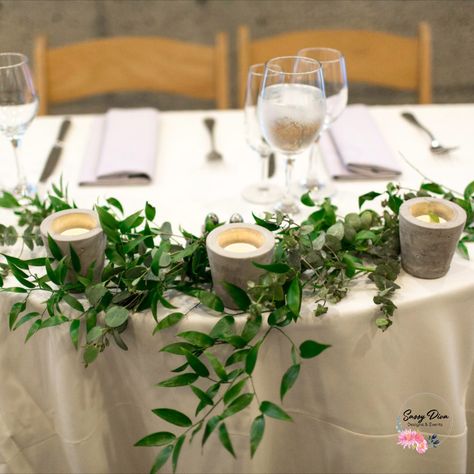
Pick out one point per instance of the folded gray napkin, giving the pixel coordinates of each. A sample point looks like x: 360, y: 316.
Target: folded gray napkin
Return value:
x: 353, y: 148
x: 121, y: 148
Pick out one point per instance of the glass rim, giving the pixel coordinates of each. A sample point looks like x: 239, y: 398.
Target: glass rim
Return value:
x: 22, y: 59
x: 252, y: 68
x: 318, y: 65
x: 326, y: 61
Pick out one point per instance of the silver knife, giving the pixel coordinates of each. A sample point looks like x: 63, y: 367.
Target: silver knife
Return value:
x: 56, y: 151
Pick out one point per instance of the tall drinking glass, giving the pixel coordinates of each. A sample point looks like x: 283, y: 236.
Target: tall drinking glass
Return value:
x: 18, y: 107
x: 262, y: 192
x: 291, y: 111
x: 335, y: 86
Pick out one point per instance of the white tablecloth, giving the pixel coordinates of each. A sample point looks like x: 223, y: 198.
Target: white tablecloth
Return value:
x: 57, y: 416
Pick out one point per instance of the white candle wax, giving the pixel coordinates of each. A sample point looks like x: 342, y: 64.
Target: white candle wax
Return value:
x: 427, y: 218
x: 75, y: 231
x: 240, y: 247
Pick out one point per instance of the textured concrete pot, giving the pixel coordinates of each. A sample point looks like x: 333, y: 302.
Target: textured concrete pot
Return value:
x: 89, y: 245
x: 236, y: 267
x: 427, y: 248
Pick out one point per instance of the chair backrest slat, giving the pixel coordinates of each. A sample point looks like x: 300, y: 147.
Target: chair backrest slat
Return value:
x: 372, y: 57
x: 122, y: 64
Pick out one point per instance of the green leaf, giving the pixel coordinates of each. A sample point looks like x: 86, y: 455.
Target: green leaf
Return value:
x: 95, y: 293
x: 469, y: 191
x: 268, y: 225
x: 252, y: 327
x: 224, y: 328
x: 394, y: 203
x: 203, y: 396
x: 256, y: 433
x: 115, y: 203
x: 168, y: 321
x: 173, y: 416
x: 8, y: 201
x: 116, y: 316
x: 293, y: 296
x: 289, y: 379
x: 310, y: 348
x: 94, y: 334
x: 336, y: 230
x: 150, y: 211
x: 239, y: 296
x: 217, y: 366
x: 307, y: 200
x: 239, y: 404
x: 33, y: 329
x: 210, y: 427
x: 14, y: 289
x: 432, y: 188
x: 15, y: 311
x: 236, y: 356
x: 251, y: 358
x: 75, y: 260
x: 179, y: 380
x: 196, y: 364
x: 225, y: 439
x: 74, y: 332
x: 233, y: 391
x: 53, y: 321
x: 161, y: 459
x: 25, y: 319
x: 73, y: 302
x: 54, y: 248
x: 197, y: 338
x: 273, y: 267
x: 156, y: 439
x: 178, y: 348
x: 106, y: 219
x: 209, y: 299
x: 367, y: 197
x: 90, y: 354
x: 118, y: 340
x: 176, y: 452
x: 365, y: 235
x: 463, y: 250
x: 274, y: 411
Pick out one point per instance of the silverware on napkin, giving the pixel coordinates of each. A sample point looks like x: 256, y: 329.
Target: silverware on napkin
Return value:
x: 56, y: 151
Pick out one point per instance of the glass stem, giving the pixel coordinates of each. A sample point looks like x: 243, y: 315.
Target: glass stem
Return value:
x: 20, y: 188
x: 312, y: 180
x: 288, y: 175
x: 265, y: 168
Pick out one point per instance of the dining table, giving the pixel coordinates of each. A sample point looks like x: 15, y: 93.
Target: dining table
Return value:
x: 58, y: 416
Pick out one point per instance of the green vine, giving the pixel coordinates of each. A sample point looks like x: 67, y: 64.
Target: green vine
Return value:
x: 146, y: 262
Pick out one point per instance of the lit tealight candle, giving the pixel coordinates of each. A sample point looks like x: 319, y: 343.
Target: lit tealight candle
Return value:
x: 75, y: 231
x: 431, y: 218
x: 241, y: 247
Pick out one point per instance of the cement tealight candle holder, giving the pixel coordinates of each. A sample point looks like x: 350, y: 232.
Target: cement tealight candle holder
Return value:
x: 232, y: 249
x: 428, y: 247
x: 80, y: 229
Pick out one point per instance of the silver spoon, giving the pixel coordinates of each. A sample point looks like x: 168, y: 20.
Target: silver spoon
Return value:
x: 435, y: 146
x: 213, y: 155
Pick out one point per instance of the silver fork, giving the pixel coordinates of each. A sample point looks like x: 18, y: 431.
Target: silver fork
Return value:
x: 435, y: 145
x: 213, y: 155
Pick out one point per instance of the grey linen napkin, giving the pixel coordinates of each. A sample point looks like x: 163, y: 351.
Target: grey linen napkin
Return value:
x: 121, y: 148
x: 353, y: 148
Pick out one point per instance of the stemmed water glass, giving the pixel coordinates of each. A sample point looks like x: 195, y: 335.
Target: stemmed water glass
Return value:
x: 18, y: 107
x: 335, y: 85
x: 263, y: 192
x: 291, y: 111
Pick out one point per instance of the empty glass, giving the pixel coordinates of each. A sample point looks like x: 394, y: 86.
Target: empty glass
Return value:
x: 18, y: 107
x: 291, y: 111
x: 335, y: 86
x: 263, y: 192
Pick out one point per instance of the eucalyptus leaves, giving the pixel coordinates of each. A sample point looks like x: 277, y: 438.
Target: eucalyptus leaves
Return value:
x: 318, y: 258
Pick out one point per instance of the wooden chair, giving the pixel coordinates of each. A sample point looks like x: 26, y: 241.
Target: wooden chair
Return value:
x: 153, y: 64
x: 372, y: 57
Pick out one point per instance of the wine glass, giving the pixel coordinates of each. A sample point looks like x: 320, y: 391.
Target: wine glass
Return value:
x: 291, y: 111
x: 263, y: 192
x: 18, y: 107
x: 335, y: 86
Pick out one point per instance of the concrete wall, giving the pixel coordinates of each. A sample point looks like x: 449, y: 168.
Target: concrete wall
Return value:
x: 66, y: 21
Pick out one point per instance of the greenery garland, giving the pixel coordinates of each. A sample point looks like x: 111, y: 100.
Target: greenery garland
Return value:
x: 145, y: 261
